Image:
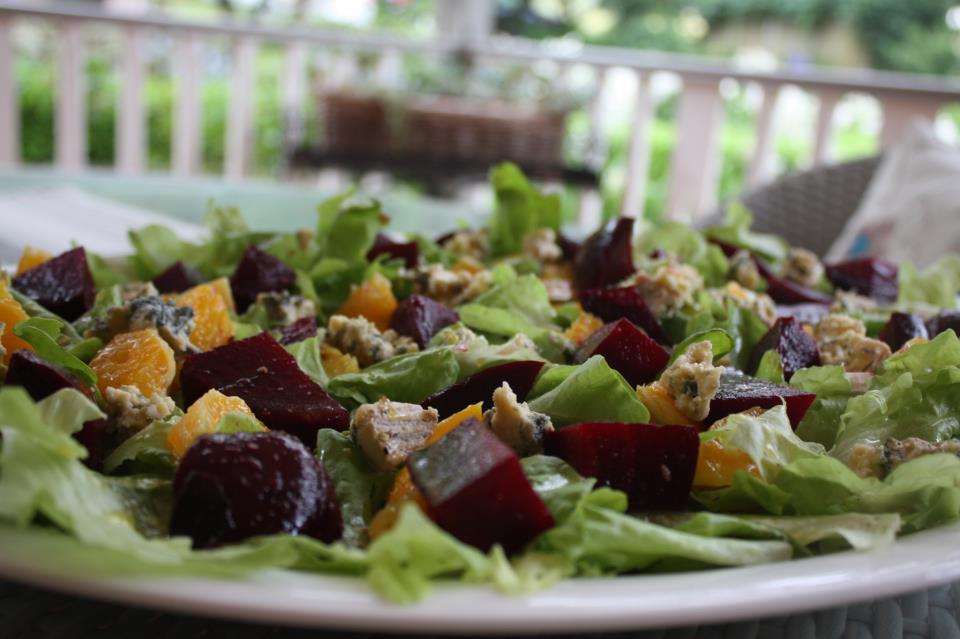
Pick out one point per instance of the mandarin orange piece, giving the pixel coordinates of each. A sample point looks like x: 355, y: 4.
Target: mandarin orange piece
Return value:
x: 373, y: 299
x: 583, y: 327
x: 716, y: 465
x: 663, y: 410
x: 31, y: 258
x: 139, y: 358
x: 11, y: 314
x: 222, y: 286
x: 337, y: 363
x: 202, y: 418
x: 211, y: 313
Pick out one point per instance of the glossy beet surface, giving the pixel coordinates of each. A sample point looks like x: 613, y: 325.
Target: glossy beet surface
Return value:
x: 653, y: 464
x: 258, y: 272
x: 303, y: 328
x: 420, y: 318
x: 606, y: 257
x: 229, y: 488
x: 62, y: 285
x: 739, y: 392
x: 568, y: 246
x: 476, y: 490
x: 901, y: 328
x: 261, y: 372
x: 796, y: 348
x: 943, y: 321
x: 41, y: 379
x: 409, y: 252
x: 611, y: 304
x: 178, y: 278
x: 783, y: 291
x: 628, y: 350
x: 870, y: 276
x: 479, y: 387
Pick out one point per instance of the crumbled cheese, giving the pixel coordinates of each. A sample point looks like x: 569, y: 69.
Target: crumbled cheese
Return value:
x: 871, y: 459
x: 542, y: 245
x: 132, y: 290
x: 131, y: 411
x: 359, y: 337
x: 388, y: 432
x: 450, y: 287
x: 866, y: 460
x: 458, y: 335
x: 173, y: 323
x: 284, y: 308
x: 842, y: 340
x: 743, y: 269
x: 850, y: 302
x: 474, y: 244
x: 670, y: 288
x: 559, y: 291
x: 802, y: 266
x: 759, y: 304
x: 519, y: 343
x: 515, y: 424
x: 692, y: 380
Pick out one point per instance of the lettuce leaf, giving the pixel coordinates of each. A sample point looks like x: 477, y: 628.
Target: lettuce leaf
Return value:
x: 736, y: 230
x: 771, y: 368
x: 822, y: 420
x: 520, y: 208
x: 346, y: 230
x: 719, y: 339
x: 938, y: 284
x: 560, y: 487
x: 145, y: 452
x: 156, y: 248
x: 34, y: 310
x: 406, y: 378
x: 690, y: 246
x: 42, y: 334
x: 742, y: 325
x: 307, y: 354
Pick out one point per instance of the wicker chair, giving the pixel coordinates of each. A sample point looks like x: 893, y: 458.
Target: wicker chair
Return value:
x: 809, y: 209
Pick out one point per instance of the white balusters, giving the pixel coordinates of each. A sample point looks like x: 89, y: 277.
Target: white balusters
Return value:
x: 240, y: 134
x: 824, y: 126
x: 638, y: 158
x: 131, y: 115
x: 187, y: 129
x: 70, y: 119
x: 9, y: 111
x: 760, y: 162
x: 293, y: 93
x: 695, y: 161
x: 899, y: 111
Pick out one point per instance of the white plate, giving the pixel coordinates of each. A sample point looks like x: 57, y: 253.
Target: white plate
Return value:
x: 917, y: 562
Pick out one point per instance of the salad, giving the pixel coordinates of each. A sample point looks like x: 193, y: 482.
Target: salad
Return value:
x: 504, y: 405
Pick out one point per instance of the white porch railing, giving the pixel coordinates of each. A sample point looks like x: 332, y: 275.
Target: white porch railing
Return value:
x: 693, y: 174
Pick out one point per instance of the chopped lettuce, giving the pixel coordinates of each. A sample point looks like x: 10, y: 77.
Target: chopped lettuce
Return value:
x: 938, y: 284
x: 690, y: 246
x: 822, y: 420
x: 771, y: 368
x: 719, y: 339
x: 742, y: 325
x: 156, y: 248
x: 349, y: 233
x: 307, y: 354
x: 145, y: 452
x: 42, y: 334
x: 520, y: 209
x: 736, y: 230
x: 33, y: 309
x: 406, y: 378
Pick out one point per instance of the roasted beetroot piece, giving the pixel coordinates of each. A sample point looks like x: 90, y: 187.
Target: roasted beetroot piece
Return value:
x: 796, y: 348
x: 569, y: 247
x: 178, y: 278
x: 942, y: 322
x: 606, y: 257
x: 479, y: 387
x: 41, y: 379
x: 303, y: 328
x: 475, y: 489
x: 901, y: 328
x: 260, y: 371
x: 259, y: 272
x: 409, y: 252
x: 229, y: 488
x: 783, y: 291
x: 738, y: 392
x: 62, y: 285
x: 420, y: 318
x: 804, y: 313
x: 611, y: 304
x: 628, y: 350
x: 870, y: 276
x: 653, y: 464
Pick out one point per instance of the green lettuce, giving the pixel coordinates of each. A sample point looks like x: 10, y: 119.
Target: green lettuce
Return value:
x: 42, y: 333
x: 145, y: 452
x: 520, y: 208
x: 34, y: 310
x: 346, y: 230
x: 743, y: 325
x: 406, y: 378
x: 822, y: 420
x: 307, y: 354
x: 771, y: 368
x: 690, y: 246
x: 719, y: 339
x: 937, y: 285
x: 156, y: 248
x: 736, y: 230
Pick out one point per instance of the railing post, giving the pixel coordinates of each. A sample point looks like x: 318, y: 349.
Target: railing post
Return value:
x: 70, y: 126
x: 187, y: 130
x: 131, y: 116
x: 293, y: 93
x: 899, y: 112
x: 824, y: 126
x: 240, y: 135
x: 9, y: 104
x: 638, y: 159
x: 695, y: 161
x: 759, y: 169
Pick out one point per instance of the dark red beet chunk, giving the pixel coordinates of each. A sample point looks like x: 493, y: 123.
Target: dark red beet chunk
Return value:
x: 479, y: 387
x: 628, y: 350
x: 409, y: 252
x: 783, y: 291
x: 568, y: 246
x: 804, y: 313
x: 259, y: 272
x: 259, y: 370
x: 420, y: 318
x: 41, y: 379
x: 303, y: 328
x: 739, y: 392
x: 476, y: 490
x: 62, y: 285
x: 178, y: 278
x: 870, y: 276
x: 229, y: 488
x: 901, y: 328
x: 653, y: 464
x: 796, y: 348
x: 942, y: 322
x: 606, y: 257
x: 611, y: 304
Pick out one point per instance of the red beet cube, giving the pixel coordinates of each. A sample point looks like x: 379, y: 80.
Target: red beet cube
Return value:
x: 259, y: 272
x: 178, y: 278
x: 261, y: 372
x: 303, y: 328
x: 870, y: 276
x: 901, y: 328
x: 476, y: 490
x: 229, y: 488
x: 611, y: 304
x: 62, y: 285
x: 606, y: 257
x: 628, y: 350
x: 796, y: 348
x: 409, y: 252
x: 942, y: 322
x: 739, y: 392
x: 479, y: 387
x: 653, y: 464
x: 569, y: 247
x: 420, y: 318
x: 783, y: 291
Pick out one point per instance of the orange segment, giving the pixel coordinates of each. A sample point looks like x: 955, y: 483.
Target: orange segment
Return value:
x: 222, y: 286
x: 32, y: 258
x: 663, y: 410
x: 583, y: 327
x: 716, y: 465
x: 140, y: 358
x: 448, y: 424
x: 11, y: 314
x: 337, y: 363
x: 202, y: 418
x: 211, y: 313
x: 374, y: 300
